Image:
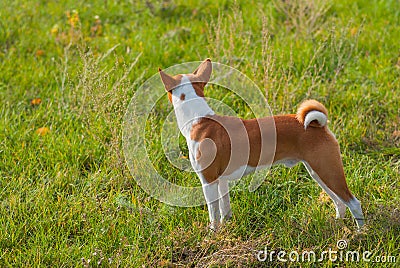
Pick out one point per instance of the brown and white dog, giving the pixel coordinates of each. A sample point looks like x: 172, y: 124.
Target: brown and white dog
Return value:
x: 223, y: 148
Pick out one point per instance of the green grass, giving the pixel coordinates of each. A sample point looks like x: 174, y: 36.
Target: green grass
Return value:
x: 67, y: 197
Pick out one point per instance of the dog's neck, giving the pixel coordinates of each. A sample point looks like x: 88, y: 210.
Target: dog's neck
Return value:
x: 188, y: 106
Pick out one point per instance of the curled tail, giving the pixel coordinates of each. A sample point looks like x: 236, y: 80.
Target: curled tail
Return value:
x: 312, y: 113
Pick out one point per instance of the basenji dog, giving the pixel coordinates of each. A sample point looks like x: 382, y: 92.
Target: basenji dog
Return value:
x: 223, y: 148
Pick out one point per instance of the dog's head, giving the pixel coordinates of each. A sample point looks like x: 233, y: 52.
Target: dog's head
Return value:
x: 187, y: 86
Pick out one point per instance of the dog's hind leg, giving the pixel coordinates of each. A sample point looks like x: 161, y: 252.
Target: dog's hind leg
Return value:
x: 339, y: 205
x: 326, y: 163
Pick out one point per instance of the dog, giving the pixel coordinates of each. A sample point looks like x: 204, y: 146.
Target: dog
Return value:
x: 223, y: 148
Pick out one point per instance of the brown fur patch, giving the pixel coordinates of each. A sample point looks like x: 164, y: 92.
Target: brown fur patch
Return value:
x: 317, y: 146
x: 246, y: 137
x: 170, y: 82
x: 199, y: 88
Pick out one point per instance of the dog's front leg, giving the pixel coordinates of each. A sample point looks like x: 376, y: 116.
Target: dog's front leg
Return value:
x: 210, y: 191
x: 224, y: 201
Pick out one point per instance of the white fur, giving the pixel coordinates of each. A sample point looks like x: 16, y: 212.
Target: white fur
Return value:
x: 239, y: 173
x: 287, y: 162
x: 224, y: 201
x: 190, y: 110
x: 355, y: 207
x: 315, y: 115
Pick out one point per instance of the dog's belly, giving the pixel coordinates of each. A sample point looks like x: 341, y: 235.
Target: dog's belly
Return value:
x: 288, y: 162
x: 239, y: 173
x: 242, y: 171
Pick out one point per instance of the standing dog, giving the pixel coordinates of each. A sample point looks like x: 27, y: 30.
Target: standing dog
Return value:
x: 223, y: 148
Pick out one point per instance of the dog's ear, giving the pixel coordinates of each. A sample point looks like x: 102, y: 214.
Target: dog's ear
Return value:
x: 203, y: 72
x: 169, y: 82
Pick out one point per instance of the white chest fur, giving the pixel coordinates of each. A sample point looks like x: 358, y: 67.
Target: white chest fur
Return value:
x: 189, y: 108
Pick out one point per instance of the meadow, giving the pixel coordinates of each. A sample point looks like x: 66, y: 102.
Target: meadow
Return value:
x: 69, y: 69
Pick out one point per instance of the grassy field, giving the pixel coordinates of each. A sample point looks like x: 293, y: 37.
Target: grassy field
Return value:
x: 68, y: 71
